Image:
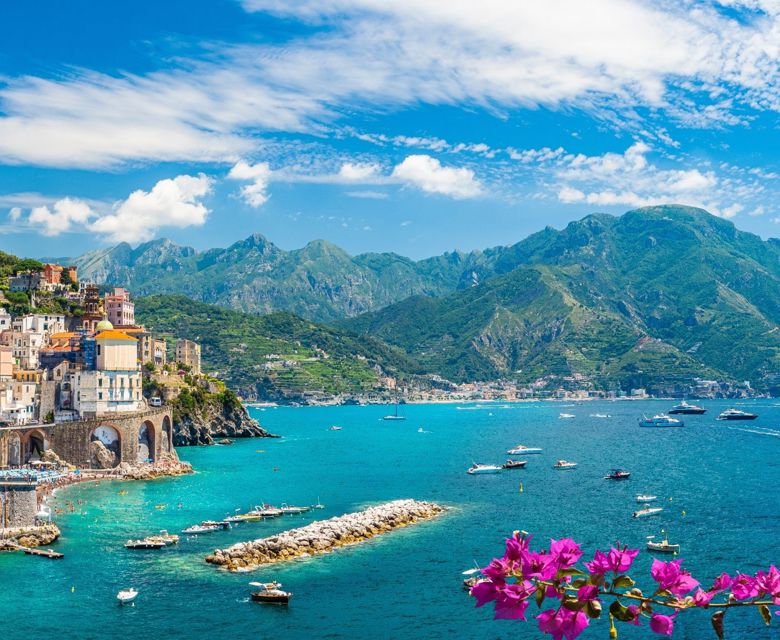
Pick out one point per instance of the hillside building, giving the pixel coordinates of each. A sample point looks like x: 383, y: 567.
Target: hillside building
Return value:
x: 119, y: 309
x: 188, y: 353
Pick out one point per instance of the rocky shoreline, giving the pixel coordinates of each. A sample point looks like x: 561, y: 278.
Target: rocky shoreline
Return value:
x: 215, y: 421
x: 37, y: 536
x: 324, y: 536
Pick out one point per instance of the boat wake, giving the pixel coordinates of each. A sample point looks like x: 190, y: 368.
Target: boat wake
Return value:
x: 761, y: 431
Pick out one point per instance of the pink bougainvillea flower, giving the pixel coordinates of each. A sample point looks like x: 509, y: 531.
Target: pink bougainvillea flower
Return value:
x: 562, y: 623
x: 565, y: 552
x: 587, y: 592
x: 723, y: 581
x: 702, y: 598
x: 538, y: 565
x: 515, y: 546
x: 768, y: 582
x: 634, y: 611
x: 498, y: 569
x: 599, y: 565
x: 671, y: 577
x: 620, y: 560
x: 744, y: 587
x: 663, y: 625
x: 485, y: 591
x: 512, y: 601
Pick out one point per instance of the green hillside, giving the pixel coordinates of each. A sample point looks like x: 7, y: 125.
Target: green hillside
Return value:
x: 661, y: 292
x: 276, y: 356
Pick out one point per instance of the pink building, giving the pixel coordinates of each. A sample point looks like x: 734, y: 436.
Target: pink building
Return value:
x: 119, y: 309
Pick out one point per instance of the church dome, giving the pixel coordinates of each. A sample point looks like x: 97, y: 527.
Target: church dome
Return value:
x: 104, y: 325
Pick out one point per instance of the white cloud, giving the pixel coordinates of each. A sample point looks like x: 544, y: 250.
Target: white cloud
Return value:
x: 259, y: 176
x: 14, y: 214
x: 58, y: 218
x: 358, y: 172
x: 170, y: 203
x: 428, y: 174
x: 368, y: 195
x: 607, y: 57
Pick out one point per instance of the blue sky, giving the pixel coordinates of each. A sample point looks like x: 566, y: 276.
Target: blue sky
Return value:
x: 405, y: 126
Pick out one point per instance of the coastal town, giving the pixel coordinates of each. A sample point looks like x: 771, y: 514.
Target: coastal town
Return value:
x: 72, y: 402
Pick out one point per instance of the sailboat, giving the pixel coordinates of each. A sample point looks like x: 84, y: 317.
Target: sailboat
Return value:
x: 395, y: 415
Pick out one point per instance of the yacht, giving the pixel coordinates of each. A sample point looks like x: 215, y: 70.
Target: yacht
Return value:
x: 687, y: 409
x: 126, y: 596
x: 199, y: 528
x: 660, y: 421
x: 521, y: 450
x: 736, y: 414
x: 394, y: 416
x: 647, y: 511
x: 643, y: 497
x: 662, y: 546
x: 514, y: 464
x: 618, y: 474
x: 478, y: 469
x: 564, y: 465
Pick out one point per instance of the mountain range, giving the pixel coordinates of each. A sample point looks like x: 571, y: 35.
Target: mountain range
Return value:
x: 660, y: 292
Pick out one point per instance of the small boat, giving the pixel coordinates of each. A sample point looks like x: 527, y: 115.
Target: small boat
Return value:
x: 514, y: 464
x: 521, y: 450
x: 272, y: 596
x: 318, y: 505
x: 126, y: 596
x: 662, y: 546
x: 335, y: 428
x: 469, y: 583
x: 394, y: 416
x: 600, y: 415
x: 645, y: 498
x: 661, y: 421
x: 293, y: 510
x: 564, y: 416
x: 687, y: 409
x: 618, y: 474
x: 198, y: 528
x: 267, y: 511
x: 736, y: 414
x: 479, y: 469
x: 564, y: 465
x: 219, y: 524
x: 647, y: 511
x: 146, y: 543
x: 166, y: 538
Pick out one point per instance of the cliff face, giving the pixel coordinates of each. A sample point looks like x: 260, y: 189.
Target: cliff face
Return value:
x: 214, y: 420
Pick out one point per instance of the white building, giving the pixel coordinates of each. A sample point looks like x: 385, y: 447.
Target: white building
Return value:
x: 17, y: 402
x: 40, y: 323
x: 5, y: 319
x: 26, y: 347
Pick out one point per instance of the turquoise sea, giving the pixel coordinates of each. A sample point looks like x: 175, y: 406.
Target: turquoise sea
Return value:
x: 717, y: 483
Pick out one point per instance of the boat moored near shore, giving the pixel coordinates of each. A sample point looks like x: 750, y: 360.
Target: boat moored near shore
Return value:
x: 661, y: 421
x: 736, y: 414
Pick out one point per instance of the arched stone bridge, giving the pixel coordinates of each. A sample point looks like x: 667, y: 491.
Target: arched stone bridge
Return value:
x: 97, y: 443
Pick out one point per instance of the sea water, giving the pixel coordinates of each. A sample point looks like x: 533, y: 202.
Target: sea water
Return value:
x: 717, y: 483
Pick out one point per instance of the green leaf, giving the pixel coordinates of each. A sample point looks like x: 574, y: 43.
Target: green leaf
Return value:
x: 580, y: 582
x: 562, y: 573
x: 540, y: 589
x: 572, y: 604
x: 717, y: 623
x: 593, y: 609
x: 620, y: 612
x: 765, y: 613
x: 621, y: 582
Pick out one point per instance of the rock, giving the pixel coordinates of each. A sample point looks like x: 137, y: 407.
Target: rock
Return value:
x: 101, y: 456
x: 324, y: 536
x: 217, y: 421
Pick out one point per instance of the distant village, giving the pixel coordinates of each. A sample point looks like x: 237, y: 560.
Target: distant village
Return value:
x: 56, y: 368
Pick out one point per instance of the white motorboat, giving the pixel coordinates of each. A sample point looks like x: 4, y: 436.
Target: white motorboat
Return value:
x: 662, y: 546
x: 291, y: 510
x: 479, y: 469
x: 600, y: 415
x: 564, y: 465
x: 521, y: 450
x: 199, y: 528
x: 660, y: 421
x: 736, y: 414
x: 647, y: 511
x: 565, y: 416
x: 335, y: 428
x: 268, y: 586
x: 645, y: 498
x: 127, y: 596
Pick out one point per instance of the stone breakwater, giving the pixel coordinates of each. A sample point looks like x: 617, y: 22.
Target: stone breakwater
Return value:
x: 325, y: 535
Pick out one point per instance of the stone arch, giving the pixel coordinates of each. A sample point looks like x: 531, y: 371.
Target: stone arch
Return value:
x: 35, y: 446
x: 105, y: 447
x: 166, y: 441
x: 146, y: 441
x: 14, y: 450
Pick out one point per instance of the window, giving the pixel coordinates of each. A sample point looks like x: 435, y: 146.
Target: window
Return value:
x: 100, y: 382
x: 100, y: 395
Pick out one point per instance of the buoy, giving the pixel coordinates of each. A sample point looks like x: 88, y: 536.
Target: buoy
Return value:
x: 521, y: 487
x: 683, y: 513
x: 73, y: 589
